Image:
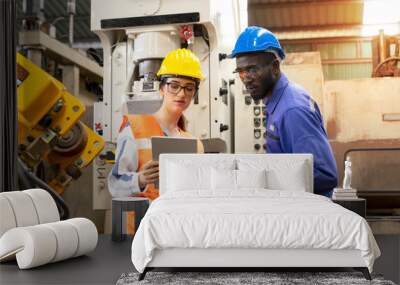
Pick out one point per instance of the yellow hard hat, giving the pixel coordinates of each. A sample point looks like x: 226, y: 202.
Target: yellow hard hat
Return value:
x: 181, y: 62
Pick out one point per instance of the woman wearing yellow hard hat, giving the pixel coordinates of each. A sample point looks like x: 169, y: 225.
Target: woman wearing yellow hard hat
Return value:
x: 134, y: 172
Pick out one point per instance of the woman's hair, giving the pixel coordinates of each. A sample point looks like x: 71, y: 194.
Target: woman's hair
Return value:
x: 182, y: 123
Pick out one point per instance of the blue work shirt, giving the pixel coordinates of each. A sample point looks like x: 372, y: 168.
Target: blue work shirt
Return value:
x: 294, y: 125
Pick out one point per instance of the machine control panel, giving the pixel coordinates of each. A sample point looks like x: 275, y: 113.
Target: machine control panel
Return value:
x: 250, y: 121
x: 259, y: 119
x: 247, y: 100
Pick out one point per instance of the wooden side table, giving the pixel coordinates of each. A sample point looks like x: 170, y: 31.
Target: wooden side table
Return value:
x: 120, y: 205
x: 358, y: 205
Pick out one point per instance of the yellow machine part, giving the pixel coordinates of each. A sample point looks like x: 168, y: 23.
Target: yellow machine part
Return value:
x: 37, y: 92
x: 38, y: 95
x: 69, y: 115
x: 92, y: 146
x: 49, y: 129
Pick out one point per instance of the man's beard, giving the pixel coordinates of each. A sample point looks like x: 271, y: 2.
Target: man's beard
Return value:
x: 258, y: 96
x: 264, y: 89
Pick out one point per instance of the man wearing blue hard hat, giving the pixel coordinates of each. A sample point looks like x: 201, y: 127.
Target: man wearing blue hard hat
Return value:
x: 293, y: 120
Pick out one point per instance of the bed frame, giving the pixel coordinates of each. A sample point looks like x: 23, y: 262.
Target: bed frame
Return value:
x: 242, y: 259
x: 245, y: 258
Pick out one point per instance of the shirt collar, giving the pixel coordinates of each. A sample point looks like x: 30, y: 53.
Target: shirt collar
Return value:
x: 277, y: 92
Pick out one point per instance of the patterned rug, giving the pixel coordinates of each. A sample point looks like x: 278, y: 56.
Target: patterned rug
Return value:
x: 242, y: 278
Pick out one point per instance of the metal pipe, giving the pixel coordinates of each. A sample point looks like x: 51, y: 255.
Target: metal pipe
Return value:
x: 71, y: 11
x: 41, y: 14
x: 71, y: 29
x: 56, y: 20
x: 382, y: 46
x: 34, y: 16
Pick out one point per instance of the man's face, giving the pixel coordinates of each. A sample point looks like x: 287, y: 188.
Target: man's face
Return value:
x: 258, y: 73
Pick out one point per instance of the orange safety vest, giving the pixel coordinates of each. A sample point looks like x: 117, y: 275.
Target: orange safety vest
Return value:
x: 143, y: 128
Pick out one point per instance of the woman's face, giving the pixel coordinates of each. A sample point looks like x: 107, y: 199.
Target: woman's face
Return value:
x: 177, y: 93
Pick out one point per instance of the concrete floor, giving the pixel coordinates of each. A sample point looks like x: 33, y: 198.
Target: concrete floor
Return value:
x: 110, y: 259
x: 102, y: 266
x: 389, y: 263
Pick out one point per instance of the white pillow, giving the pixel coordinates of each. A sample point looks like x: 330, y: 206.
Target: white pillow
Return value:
x: 291, y: 179
x: 182, y: 177
x: 251, y: 178
x: 185, y: 175
x: 280, y: 174
x: 227, y: 179
x: 223, y: 179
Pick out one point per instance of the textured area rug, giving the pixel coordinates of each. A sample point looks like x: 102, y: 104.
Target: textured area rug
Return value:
x: 229, y: 278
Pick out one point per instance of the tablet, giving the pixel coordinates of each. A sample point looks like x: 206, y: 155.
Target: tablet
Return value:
x: 172, y: 145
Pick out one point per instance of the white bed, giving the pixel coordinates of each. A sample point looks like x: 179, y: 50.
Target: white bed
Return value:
x: 215, y: 211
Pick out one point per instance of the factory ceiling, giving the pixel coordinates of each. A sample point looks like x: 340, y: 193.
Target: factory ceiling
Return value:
x: 55, y: 12
x: 290, y: 15
x: 276, y: 15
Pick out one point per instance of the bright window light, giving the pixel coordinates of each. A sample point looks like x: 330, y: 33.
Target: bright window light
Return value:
x: 381, y: 14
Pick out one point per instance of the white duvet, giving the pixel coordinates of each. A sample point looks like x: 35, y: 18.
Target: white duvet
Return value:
x: 252, y: 218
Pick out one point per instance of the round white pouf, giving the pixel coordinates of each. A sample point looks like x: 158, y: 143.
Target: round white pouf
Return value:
x: 87, y: 233
x: 45, y: 206
x: 33, y: 246
x: 67, y: 239
x: 23, y: 208
x: 6, y: 216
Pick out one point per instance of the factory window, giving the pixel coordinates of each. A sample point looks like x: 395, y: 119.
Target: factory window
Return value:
x: 347, y: 71
x: 381, y: 15
x: 338, y: 50
x: 340, y: 60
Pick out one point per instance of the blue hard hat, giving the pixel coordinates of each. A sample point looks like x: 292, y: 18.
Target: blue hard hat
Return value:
x: 256, y: 39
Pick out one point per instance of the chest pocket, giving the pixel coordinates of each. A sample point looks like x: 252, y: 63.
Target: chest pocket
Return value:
x: 273, y: 140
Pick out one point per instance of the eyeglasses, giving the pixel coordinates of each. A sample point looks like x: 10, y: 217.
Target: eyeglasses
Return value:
x: 251, y: 70
x: 175, y: 88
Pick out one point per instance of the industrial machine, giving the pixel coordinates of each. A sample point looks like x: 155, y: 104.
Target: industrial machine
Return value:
x: 386, y: 56
x: 52, y: 142
x: 363, y: 123
x: 136, y: 36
